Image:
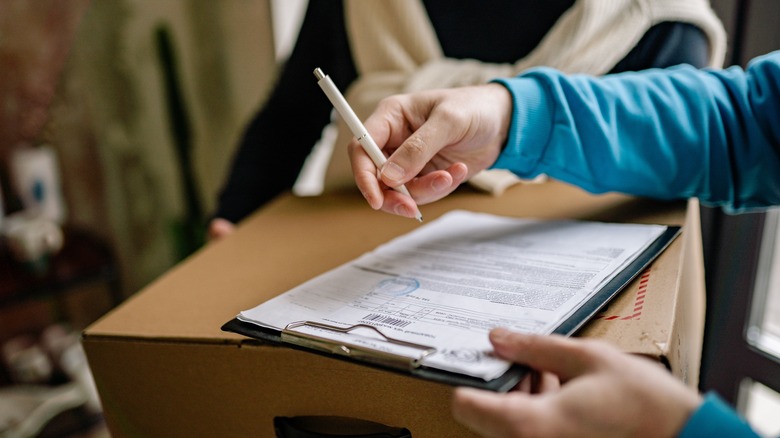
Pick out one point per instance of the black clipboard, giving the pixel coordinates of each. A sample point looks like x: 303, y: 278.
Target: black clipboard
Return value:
x: 412, y: 367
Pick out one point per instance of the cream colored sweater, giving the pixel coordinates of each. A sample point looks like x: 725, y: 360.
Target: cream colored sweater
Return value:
x: 395, y: 50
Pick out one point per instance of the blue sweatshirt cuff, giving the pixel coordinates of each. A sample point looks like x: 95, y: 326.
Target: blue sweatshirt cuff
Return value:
x: 532, y: 116
x: 715, y: 418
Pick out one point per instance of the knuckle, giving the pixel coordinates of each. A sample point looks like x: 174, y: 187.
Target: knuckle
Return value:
x: 415, y: 147
x: 390, y: 102
x: 452, y: 113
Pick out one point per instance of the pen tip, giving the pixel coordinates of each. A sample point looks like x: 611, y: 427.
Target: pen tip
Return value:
x: 318, y: 73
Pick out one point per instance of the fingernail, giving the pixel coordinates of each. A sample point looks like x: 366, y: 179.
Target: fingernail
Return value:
x: 440, y: 183
x: 500, y: 334
x: 403, y: 210
x: 467, y: 392
x: 393, y: 172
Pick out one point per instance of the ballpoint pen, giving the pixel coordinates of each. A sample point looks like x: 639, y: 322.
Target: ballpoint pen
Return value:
x: 356, y: 126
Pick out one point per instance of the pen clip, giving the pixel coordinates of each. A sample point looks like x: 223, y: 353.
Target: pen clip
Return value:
x: 353, y: 350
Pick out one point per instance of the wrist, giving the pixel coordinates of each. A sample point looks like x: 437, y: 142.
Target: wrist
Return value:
x: 501, y: 100
x: 529, y: 129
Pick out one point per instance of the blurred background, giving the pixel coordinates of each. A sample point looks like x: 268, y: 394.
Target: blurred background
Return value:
x: 138, y: 106
x: 118, y: 120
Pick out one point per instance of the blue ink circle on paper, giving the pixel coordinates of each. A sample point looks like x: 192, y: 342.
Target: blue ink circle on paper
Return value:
x: 397, y: 286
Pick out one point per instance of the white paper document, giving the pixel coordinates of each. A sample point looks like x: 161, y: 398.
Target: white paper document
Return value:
x: 447, y: 283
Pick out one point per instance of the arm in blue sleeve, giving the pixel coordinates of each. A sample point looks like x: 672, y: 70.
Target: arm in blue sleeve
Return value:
x: 716, y: 418
x: 674, y: 133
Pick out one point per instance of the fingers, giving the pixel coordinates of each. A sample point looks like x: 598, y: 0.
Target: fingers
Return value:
x: 491, y: 414
x: 539, y: 383
x: 437, y: 184
x: 424, y: 136
x: 365, y: 174
x: 387, y: 119
x: 547, y: 382
x: 564, y: 357
x: 605, y: 391
x: 409, y: 159
x: 425, y: 189
x: 219, y: 228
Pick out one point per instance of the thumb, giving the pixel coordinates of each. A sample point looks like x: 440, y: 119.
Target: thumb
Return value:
x: 412, y: 155
x: 438, y: 131
x: 565, y: 357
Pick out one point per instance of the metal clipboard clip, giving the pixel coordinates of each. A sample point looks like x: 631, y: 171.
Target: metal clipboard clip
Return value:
x: 352, y: 350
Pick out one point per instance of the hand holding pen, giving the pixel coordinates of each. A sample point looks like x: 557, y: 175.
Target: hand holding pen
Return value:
x: 361, y: 134
x: 435, y: 141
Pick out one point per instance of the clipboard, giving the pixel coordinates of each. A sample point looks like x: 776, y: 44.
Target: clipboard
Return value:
x: 412, y: 366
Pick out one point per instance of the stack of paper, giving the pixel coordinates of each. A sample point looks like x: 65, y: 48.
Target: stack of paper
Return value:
x: 446, y: 284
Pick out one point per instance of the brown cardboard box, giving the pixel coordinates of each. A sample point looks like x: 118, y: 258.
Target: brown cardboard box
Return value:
x: 164, y: 368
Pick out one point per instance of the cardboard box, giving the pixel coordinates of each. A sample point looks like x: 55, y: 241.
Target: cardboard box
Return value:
x: 164, y: 368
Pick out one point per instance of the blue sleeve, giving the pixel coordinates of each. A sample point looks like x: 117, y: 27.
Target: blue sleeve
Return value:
x: 715, y: 418
x: 674, y: 133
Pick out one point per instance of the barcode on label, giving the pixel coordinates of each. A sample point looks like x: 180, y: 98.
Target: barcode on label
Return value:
x: 376, y: 317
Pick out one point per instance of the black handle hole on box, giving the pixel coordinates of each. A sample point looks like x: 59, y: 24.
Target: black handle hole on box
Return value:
x: 324, y: 426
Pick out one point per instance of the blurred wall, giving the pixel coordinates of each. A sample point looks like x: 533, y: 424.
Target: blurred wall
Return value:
x: 35, y: 40
x: 117, y: 138
x: 752, y: 27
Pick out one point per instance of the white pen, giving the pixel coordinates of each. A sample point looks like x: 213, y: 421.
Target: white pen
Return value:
x: 357, y: 128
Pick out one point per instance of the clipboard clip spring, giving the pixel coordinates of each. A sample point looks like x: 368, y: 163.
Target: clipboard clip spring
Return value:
x: 353, y: 350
